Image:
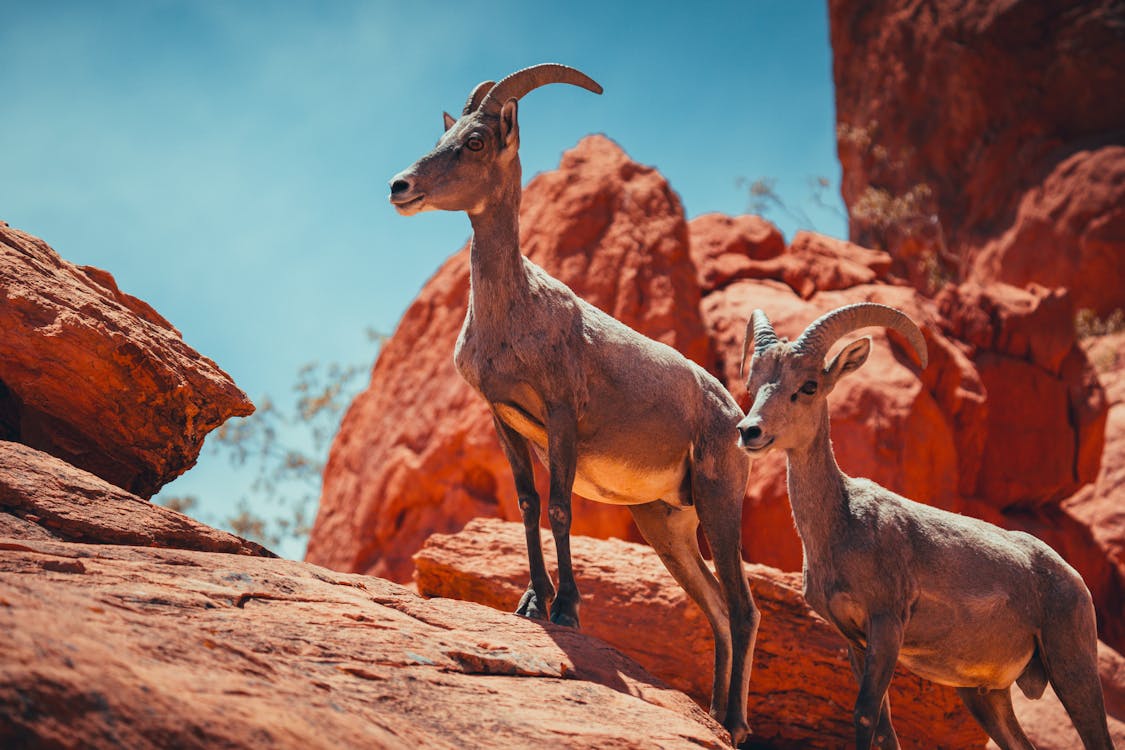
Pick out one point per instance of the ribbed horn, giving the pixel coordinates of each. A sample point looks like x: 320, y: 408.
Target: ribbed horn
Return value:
x: 521, y: 82
x: 823, y: 332
x: 759, y: 331
x: 475, y: 98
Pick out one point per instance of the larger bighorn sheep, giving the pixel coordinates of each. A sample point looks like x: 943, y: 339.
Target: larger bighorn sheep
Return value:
x: 615, y: 416
x: 955, y: 599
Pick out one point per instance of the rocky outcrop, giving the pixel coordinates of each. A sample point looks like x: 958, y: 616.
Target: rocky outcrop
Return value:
x: 116, y: 645
x: 42, y: 497
x: 416, y: 452
x: 1097, y: 511
x: 983, y: 141
x: 96, y: 377
x: 801, y: 689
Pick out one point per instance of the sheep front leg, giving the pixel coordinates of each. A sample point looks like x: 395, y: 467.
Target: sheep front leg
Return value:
x: 884, y: 639
x: 536, y: 600
x: 885, y: 737
x: 562, y: 455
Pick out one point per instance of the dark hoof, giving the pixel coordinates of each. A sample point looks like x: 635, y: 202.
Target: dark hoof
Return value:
x: 529, y: 607
x: 564, y: 611
x: 739, y: 733
x: 562, y: 618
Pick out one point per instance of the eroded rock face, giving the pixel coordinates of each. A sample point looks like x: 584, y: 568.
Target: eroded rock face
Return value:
x: 1099, y: 508
x: 416, y: 452
x: 109, y: 645
x: 982, y: 139
x: 801, y: 689
x: 96, y: 377
x: 42, y: 497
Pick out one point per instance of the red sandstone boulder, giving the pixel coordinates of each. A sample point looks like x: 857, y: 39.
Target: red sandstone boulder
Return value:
x: 42, y: 497
x: 1046, y: 410
x: 980, y: 140
x: 417, y: 453
x: 109, y: 646
x: 801, y: 690
x: 97, y: 377
x: 726, y: 249
x: 1100, y: 508
x: 1069, y: 230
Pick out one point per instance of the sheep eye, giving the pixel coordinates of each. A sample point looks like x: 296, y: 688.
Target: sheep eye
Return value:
x: 474, y: 144
x: 809, y: 388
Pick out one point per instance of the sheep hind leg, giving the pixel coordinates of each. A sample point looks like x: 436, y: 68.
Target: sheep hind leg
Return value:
x: 993, y: 710
x: 718, y: 483
x: 670, y: 531
x: 1068, y: 647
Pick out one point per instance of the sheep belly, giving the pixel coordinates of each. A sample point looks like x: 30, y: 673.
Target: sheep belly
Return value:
x: 606, y: 478
x: 610, y: 480
x: 949, y: 636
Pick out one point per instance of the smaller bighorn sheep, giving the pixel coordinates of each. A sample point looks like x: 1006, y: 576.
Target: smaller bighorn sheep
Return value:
x: 955, y: 599
x: 615, y: 416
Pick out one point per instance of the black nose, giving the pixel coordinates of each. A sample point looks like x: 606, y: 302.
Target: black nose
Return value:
x: 749, y: 433
x: 399, y: 186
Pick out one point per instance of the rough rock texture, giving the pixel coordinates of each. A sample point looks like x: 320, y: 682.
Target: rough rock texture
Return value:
x: 416, y: 452
x: 110, y: 646
x: 801, y: 690
x: 1006, y: 163
x: 97, y: 377
x: 1099, y: 509
x: 42, y: 497
x: 1046, y: 722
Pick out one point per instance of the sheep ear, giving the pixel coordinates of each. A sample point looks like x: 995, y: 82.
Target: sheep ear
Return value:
x: 449, y: 120
x: 848, y: 360
x: 509, y: 125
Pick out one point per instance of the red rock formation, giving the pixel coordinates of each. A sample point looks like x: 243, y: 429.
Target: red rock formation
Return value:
x: 982, y: 139
x: 416, y: 452
x: 726, y: 249
x: 1099, y: 508
x: 109, y: 646
x: 97, y: 377
x: 802, y: 688
x: 42, y: 497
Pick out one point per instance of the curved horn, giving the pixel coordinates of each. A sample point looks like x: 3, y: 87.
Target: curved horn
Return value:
x: 522, y: 81
x: 474, y: 99
x: 823, y: 332
x: 760, y: 331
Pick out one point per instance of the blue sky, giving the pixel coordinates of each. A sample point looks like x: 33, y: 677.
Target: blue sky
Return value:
x: 228, y: 161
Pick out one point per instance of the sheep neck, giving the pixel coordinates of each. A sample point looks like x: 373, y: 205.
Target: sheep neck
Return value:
x: 496, y: 269
x: 817, y: 493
